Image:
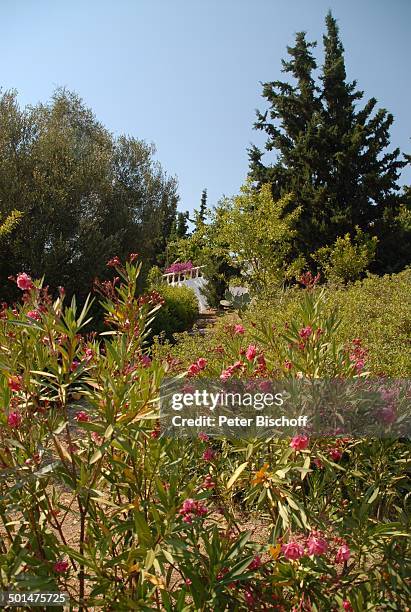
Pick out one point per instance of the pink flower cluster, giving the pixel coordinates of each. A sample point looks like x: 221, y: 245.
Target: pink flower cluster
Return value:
x: 308, y: 280
x: 358, y: 355
x: 15, y: 383
x: 343, y: 554
x: 197, y: 367
x: 314, y: 545
x: 228, y: 372
x: 305, y: 332
x: 208, y: 482
x: 14, y: 419
x: 178, y: 267
x: 60, y: 567
x: 208, y: 454
x: 24, y: 282
x: 191, y: 509
x: 251, y: 352
x: 300, y: 442
x: 34, y: 315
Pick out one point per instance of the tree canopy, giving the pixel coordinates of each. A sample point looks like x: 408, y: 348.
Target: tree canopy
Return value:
x: 84, y: 194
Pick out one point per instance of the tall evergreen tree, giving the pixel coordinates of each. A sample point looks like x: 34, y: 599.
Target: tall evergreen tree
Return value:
x: 332, y: 156
x: 182, y: 224
x: 203, y: 205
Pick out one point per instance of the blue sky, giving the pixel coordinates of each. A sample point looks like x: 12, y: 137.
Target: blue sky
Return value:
x: 185, y: 74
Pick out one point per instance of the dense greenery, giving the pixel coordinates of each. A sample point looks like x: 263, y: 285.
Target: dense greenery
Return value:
x: 332, y: 155
x: 178, y: 313
x: 96, y: 498
x: 85, y: 195
x: 96, y: 502
x: 377, y: 310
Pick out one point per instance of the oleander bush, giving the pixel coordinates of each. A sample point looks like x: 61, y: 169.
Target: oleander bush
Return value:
x: 178, y: 313
x: 376, y: 309
x: 94, y: 499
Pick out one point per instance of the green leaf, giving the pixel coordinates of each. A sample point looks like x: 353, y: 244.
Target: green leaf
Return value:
x: 236, y: 474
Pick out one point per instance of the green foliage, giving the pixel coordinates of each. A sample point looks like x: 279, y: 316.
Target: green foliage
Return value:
x: 377, y: 310
x: 85, y: 195
x: 257, y: 233
x: 217, y: 272
x: 96, y: 502
x: 154, y: 277
x: 178, y: 313
x: 347, y: 259
x: 10, y: 223
x: 237, y: 302
x: 330, y: 153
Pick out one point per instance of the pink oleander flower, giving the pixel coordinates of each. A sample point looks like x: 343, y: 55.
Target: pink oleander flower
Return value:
x: 179, y: 267
x: 75, y: 364
x: 114, y: 262
x: 88, y: 355
x: 316, y: 545
x: 34, y: 314
x: 187, y: 581
x: 145, y: 361
x: 202, y: 363
x: 81, y: 417
x: 249, y: 597
x: 335, y: 454
x: 24, y: 282
x: 60, y: 567
x: 203, y: 436
x: 343, y: 554
x: 347, y: 606
x: 14, y: 419
x: 239, y: 329
x: 308, y: 280
x: 300, y: 442
x: 208, y: 482
x: 388, y: 414
x: 193, y: 369
x: 359, y: 365
x: 251, y: 352
x: 192, y: 508
x: 306, y: 332
x: 97, y: 439
x: 15, y: 383
x: 226, y: 374
x: 292, y: 551
x: 208, y: 454
x: 255, y: 563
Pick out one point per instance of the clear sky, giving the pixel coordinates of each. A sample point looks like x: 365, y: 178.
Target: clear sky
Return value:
x: 185, y: 74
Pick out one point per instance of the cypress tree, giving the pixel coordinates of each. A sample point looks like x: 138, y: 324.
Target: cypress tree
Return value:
x: 332, y: 156
x: 203, y: 206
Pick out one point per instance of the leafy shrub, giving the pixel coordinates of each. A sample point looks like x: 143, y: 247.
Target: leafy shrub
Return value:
x: 178, y: 312
x: 96, y: 502
x: 376, y: 309
x: 347, y: 259
x: 154, y: 277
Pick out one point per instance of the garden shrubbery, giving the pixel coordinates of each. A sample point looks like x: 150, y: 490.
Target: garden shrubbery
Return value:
x: 95, y: 501
x: 377, y: 309
x: 178, y: 313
